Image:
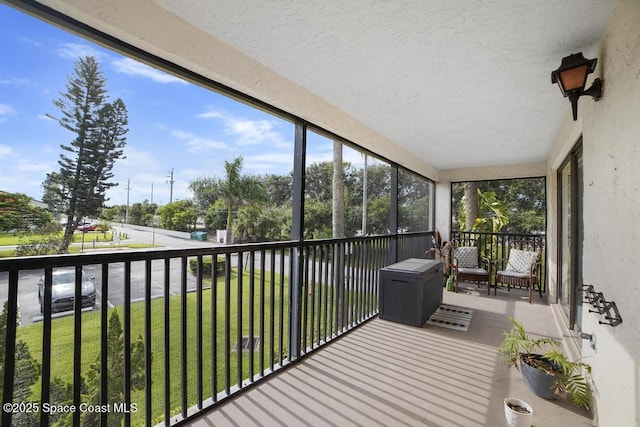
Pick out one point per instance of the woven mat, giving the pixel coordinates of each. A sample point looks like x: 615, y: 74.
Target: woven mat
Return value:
x: 451, y: 317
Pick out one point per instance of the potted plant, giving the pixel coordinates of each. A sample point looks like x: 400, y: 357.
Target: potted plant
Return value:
x: 549, y: 374
x: 441, y: 251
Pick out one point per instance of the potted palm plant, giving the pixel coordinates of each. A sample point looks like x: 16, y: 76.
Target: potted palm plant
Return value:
x: 550, y: 374
x: 441, y: 249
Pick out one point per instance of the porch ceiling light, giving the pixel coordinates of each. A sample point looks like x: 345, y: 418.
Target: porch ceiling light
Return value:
x: 571, y: 77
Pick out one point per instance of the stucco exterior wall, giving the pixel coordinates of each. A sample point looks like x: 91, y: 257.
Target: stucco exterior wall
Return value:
x: 443, y: 208
x: 611, y: 215
x: 521, y: 170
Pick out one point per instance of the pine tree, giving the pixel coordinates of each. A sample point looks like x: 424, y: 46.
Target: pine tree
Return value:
x: 115, y: 373
x: 26, y: 373
x: 86, y: 163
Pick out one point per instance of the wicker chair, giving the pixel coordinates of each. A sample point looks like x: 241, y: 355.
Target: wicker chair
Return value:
x: 468, y: 264
x: 521, y: 268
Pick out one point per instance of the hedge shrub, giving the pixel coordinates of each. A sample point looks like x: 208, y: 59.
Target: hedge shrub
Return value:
x: 207, y: 265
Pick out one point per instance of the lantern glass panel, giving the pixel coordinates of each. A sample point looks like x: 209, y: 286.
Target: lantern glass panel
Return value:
x: 574, y: 78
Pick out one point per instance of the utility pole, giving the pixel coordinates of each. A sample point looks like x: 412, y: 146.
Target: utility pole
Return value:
x: 170, y: 182
x: 153, y: 224
x: 126, y: 213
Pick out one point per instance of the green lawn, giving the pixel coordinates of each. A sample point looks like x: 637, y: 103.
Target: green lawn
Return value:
x: 103, y: 240
x: 62, y: 341
x: 9, y: 239
x: 316, y: 306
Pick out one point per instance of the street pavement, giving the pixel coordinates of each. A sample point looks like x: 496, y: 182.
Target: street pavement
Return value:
x: 28, y: 279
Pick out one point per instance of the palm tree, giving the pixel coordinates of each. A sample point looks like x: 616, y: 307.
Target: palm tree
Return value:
x: 482, y: 211
x: 471, y: 205
x: 238, y: 190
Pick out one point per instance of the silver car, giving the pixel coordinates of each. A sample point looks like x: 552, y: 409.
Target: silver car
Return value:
x: 63, y: 290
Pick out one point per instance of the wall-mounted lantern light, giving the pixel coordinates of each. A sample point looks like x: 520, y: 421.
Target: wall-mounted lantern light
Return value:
x: 571, y: 77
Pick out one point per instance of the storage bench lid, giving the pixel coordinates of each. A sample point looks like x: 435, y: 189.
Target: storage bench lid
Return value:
x: 417, y: 266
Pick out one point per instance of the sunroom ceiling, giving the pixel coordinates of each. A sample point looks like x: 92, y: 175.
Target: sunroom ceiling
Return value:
x: 461, y: 83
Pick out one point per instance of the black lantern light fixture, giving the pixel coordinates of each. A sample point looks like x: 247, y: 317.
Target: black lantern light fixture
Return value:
x: 571, y: 77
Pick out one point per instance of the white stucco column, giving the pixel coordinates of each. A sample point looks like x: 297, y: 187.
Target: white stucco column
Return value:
x: 443, y: 208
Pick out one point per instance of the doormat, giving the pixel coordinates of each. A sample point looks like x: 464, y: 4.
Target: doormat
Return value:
x: 451, y: 317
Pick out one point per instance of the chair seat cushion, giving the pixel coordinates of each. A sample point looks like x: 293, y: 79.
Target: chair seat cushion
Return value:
x: 473, y: 271
x: 520, y: 260
x: 511, y: 273
x: 467, y: 256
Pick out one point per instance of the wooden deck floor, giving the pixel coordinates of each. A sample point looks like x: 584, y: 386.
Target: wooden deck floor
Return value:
x: 390, y: 374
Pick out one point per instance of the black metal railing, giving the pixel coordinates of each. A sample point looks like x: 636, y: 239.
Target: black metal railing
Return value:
x: 174, y: 332
x: 496, y: 246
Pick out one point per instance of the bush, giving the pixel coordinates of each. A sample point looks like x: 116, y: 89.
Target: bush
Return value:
x: 104, y: 226
x: 207, y: 265
x: 35, y: 245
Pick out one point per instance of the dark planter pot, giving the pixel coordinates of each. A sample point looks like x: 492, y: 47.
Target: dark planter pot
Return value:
x: 538, y: 381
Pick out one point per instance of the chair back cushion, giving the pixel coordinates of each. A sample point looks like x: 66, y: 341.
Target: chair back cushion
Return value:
x: 467, y: 256
x: 521, y: 261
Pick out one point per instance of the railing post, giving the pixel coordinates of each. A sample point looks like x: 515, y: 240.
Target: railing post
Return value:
x: 46, y: 347
x: 10, y: 345
x: 339, y: 283
x: 393, y: 214
x: 296, y: 260
x: 295, y: 306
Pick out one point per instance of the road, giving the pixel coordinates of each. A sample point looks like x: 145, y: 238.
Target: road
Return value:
x: 29, y: 307
x: 27, y: 280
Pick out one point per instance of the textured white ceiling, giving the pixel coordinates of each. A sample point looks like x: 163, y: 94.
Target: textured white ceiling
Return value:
x: 460, y: 83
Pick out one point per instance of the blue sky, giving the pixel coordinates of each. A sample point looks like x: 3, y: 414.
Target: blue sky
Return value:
x: 172, y: 124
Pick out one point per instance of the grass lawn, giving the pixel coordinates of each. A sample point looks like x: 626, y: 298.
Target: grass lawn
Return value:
x: 103, y: 240
x: 62, y: 341
x: 317, y: 305
x: 77, y: 249
x: 9, y: 239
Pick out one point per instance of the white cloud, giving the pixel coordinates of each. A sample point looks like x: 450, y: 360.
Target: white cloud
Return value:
x: 32, y: 42
x: 250, y: 132
x: 269, y: 162
x: 29, y: 166
x: 319, y: 157
x: 14, y: 81
x: 210, y: 115
x: 6, y: 111
x: 197, y: 144
x: 354, y: 157
x: 77, y: 50
x: 134, y: 158
x: 134, y: 68
x: 23, y: 174
x: 6, y: 151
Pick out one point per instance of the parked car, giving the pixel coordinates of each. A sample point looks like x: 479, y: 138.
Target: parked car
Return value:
x: 87, y: 227
x: 63, y: 290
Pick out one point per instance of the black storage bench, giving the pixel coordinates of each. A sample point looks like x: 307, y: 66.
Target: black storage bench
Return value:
x: 411, y: 290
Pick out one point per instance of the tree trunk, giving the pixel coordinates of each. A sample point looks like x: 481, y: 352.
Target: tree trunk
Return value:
x: 229, y: 237
x: 337, y: 220
x: 471, y: 204
x: 337, y: 223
